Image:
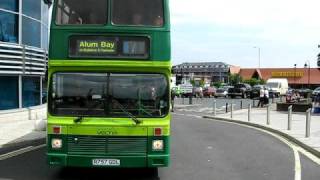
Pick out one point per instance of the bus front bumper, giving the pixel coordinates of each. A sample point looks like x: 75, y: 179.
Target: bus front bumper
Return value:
x: 124, y: 161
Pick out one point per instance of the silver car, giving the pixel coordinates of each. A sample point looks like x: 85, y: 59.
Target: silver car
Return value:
x: 222, y: 92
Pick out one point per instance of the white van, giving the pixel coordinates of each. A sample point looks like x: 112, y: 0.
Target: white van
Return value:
x: 278, y: 85
x: 186, y: 90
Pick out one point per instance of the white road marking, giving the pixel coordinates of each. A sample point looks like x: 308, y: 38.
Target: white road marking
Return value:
x: 20, y: 151
x: 295, y: 148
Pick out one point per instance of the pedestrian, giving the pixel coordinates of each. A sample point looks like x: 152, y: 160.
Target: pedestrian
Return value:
x: 261, y: 97
x: 173, y: 95
x: 317, y: 100
x: 266, y: 96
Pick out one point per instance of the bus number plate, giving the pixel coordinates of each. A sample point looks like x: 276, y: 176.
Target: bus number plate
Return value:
x: 106, y: 162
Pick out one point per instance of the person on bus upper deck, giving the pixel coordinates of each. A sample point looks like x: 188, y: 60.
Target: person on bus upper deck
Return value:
x: 158, y: 21
x: 137, y: 19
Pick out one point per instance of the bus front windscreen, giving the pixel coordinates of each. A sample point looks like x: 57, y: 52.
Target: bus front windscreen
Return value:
x: 109, y: 95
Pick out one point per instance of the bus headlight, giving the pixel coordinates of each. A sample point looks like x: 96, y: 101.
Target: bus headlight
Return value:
x: 157, y: 145
x: 56, y: 143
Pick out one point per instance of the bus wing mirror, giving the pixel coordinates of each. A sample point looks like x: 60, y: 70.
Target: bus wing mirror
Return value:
x: 49, y: 2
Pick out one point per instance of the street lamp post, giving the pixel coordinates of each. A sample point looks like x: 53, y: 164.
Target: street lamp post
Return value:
x: 259, y: 55
x: 309, y: 68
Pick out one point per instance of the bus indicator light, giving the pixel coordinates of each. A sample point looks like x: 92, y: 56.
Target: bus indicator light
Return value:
x: 158, y: 131
x: 56, y: 129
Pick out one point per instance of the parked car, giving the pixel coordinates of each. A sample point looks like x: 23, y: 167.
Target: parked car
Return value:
x: 209, y: 92
x: 222, y: 92
x: 305, y: 92
x: 241, y: 89
x: 197, y: 92
x: 315, y: 92
x: 176, y: 90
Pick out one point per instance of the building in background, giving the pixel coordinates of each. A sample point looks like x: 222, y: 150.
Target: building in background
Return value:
x: 208, y: 72
x: 23, y: 52
x: 297, y: 77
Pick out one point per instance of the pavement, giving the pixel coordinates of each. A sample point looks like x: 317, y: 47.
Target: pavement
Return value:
x: 16, y: 131
x: 279, y: 125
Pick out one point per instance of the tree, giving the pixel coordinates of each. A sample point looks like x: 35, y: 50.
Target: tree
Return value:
x: 254, y: 81
x: 217, y: 84
x: 235, y: 79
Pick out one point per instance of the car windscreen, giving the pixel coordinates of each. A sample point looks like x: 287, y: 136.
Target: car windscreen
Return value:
x: 273, y: 84
x: 107, y: 94
x: 239, y: 86
x: 78, y: 12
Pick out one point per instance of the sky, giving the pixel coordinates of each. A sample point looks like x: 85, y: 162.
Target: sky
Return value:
x: 287, y: 32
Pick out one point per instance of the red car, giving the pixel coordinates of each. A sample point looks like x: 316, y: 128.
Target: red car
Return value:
x: 209, y: 92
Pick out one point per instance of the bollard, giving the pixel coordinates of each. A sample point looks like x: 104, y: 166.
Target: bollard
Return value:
x: 231, y: 111
x: 308, y: 120
x: 190, y: 99
x: 241, y: 104
x: 249, y: 112
x: 214, y: 107
x: 289, y: 117
x: 227, y: 107
x: 253, y: 105
x: 268, y: 114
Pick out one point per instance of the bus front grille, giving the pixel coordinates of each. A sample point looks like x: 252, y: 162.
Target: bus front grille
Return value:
x: 99, y: 145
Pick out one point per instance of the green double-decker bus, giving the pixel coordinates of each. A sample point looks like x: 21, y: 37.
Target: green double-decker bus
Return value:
x: 108, y: 80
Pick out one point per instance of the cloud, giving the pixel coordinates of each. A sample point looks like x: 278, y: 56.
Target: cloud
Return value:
x: 286, y: 30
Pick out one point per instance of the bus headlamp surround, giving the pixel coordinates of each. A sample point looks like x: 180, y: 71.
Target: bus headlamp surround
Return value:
x: 56, y: 143
x: 157, y: 145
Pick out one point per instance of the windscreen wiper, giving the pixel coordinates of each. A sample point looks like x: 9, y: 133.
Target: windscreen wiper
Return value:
x: 78, y: 119
x: 136, y: 120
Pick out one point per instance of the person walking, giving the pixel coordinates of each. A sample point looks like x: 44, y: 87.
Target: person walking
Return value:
x: 261, y: 97
x: 266, y: 96
x: 173, y: 95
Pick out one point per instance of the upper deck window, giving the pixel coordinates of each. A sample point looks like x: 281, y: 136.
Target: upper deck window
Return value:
x: 137, y: 12
x: 74, y: 12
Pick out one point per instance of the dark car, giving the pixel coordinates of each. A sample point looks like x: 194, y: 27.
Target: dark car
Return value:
x: 209, y: 91
x: 255, y: 93
x: 315, y: 93
x: 241, y: 89
x: 305, y: 92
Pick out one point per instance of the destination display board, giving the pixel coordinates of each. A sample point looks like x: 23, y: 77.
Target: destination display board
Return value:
x: 108, y: 47
x: 92, y: 46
